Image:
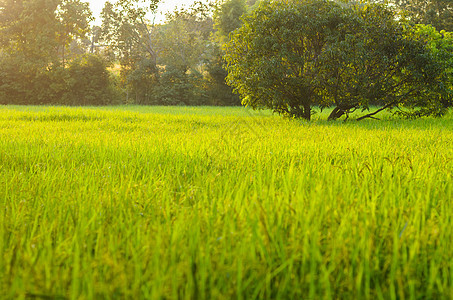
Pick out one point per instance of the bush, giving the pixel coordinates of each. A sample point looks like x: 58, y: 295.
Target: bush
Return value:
x: 177, y: 87
x: 85, y: 82
x: 89, y: 82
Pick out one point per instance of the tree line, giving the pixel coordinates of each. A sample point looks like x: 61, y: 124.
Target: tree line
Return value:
x: 51, y: 54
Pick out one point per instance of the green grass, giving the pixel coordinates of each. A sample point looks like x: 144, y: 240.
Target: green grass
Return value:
x: 222, y: 203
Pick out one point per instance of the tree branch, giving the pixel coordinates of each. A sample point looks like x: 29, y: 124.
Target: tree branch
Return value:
x: 370, y: 115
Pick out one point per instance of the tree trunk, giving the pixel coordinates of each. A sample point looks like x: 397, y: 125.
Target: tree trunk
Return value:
x: 341, y: 111
x: 370, y: 115
x: 307, y: 111
x: 92, y: 44
x: 335, y: 114
x: 63, y: 56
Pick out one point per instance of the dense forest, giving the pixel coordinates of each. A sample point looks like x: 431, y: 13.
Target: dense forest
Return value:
x: 50, y: 53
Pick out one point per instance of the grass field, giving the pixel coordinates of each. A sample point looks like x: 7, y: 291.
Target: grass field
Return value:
x: 222, y: 203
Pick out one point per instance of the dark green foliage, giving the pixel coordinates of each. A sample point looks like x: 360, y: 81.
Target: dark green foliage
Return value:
x: 219, y: 93
x: 227, y: 17
x: 24, y: 84
x: 36, y: 38
x: 89, y: 82
x: 437, y: 61
x: 291, y: 56
x: 177, y: 87
x: 85, y: 82
x: 273, y: 58
x: 11, y: 82
x: 379, y: 63
x: 142, y: 81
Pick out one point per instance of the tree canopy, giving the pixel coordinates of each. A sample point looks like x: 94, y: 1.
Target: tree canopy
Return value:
x: 290, y: 56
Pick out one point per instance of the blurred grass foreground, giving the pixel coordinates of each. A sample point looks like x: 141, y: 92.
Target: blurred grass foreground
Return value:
x: 222, y: 203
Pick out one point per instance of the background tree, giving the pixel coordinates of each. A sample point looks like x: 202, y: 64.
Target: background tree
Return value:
x: 127, y: 30
x: 36, y: 36
x: 89, y: 82
x: 252, y: 3
x: 29, y: 45
x: 95, y: 39
x: 183, y: 40
x: 74, y: 17
x: 438, y: 13
x: 227, y: 17
x: 183, y: 44
x: 28, y: 31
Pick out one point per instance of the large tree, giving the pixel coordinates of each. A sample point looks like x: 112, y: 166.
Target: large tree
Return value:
x: 273, y: 58
x: 291, y: 56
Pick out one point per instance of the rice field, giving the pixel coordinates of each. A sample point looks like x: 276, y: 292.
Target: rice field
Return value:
x: 222, y: 203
